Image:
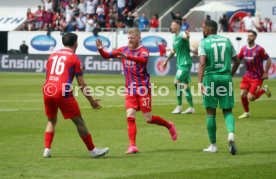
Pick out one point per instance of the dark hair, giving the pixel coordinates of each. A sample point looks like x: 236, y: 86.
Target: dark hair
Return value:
x: 212, y: 25
x: 178, y: 22
x: 69, y: 39
x: 253, y: 32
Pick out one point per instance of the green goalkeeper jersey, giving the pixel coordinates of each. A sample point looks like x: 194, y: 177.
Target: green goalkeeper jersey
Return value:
x: 219, y: 52
x: 182, y: 48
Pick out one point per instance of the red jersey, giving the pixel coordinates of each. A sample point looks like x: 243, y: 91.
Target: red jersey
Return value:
x: 254, y: 58
x: 134, y: 66
x: 61, y: 68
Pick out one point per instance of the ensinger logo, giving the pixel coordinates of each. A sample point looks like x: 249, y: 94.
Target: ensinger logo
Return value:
x: 158, y: 66
x: 43, y: 42
x: 90, y: 42
x: 150, y: 42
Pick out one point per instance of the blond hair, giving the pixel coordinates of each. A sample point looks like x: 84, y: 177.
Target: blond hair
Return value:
x: 134, y: 31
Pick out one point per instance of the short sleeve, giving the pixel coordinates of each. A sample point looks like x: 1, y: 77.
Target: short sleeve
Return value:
x: 233, y: 51
x: 263, y: 54
x: 240, y: 55
x: 201, y: 49
x: 78, y: 67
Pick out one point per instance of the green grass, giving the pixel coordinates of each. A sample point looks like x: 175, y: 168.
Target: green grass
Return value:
x: 22, y: 123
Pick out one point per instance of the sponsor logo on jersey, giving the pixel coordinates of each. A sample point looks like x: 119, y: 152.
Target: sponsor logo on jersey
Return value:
x: 43, y: 42
x: 149, y: 42
x: 90, y: 42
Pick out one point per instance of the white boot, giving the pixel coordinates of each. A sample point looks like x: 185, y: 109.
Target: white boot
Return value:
x: 212, y: 148
x: 96, y: 152
x: 177, y: 110
x: 190, y: 110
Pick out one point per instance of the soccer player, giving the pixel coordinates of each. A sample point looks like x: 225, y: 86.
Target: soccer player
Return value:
x: 134, y: 60
x: 254, y: 55
x: 61, y: 68
x: 181, y: 46
x: 215, y: 53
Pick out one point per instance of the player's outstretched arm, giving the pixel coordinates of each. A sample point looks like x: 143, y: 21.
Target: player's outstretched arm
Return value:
x: 267, y: 67
x: 93, y: 102
x: 235, y: 65
x: 103, y: 53
x: 142, y: 58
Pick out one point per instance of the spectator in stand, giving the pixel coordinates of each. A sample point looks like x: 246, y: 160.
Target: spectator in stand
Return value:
x: 207, y: 18
x: 57, y: 21
x: 69, y: 13
x: 129, y: 21
x: 81, y: 20
x: 91, y: 6
x: 101, y: 11
x: 89, y: 26
x: 176, y: 16
x: 224, y: 24
x: 162, y: 47
x: 30, y: 20
x: 143, y: 22
x: 39, y: 19
x: 185, y: 25
x: 154, y: 23
x: 24, y: 49
x: 236, y: 25
x: 48, y: 4
x: 248, y: 22
x: 121, y: 4
x: 63, y: 25
x: 81, y: 7
x: 267, y: 25
x: 110, y: 23
x: 71, y: 25
x: 47, y: 19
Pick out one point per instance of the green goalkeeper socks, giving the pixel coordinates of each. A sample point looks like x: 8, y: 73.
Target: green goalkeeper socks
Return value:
x: 178, y: 94
x: 212, y: 128
x: 230, y: 122
x: 189, y: 97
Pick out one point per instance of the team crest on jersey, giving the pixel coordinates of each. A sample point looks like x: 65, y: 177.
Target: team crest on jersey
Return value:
x: 145, y: 54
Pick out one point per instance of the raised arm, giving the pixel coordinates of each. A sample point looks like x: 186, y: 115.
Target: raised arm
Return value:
x: 104, y: 54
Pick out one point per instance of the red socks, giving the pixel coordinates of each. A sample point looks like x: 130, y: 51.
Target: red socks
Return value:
x: 131, y: 128
x: 245, y: 104
x: 88, y: 142
x: 160, y: 121
x: 259, y: 93
x: 48, y: 138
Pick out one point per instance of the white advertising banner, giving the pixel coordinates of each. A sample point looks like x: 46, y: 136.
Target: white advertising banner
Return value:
x: 41, y: 43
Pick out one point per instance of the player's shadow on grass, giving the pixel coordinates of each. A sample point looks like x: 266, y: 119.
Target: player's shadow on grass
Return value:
x: 268, y: 152
x: 171, y: 150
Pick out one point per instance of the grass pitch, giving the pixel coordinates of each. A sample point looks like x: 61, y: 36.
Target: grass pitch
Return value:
x: 22, y: 123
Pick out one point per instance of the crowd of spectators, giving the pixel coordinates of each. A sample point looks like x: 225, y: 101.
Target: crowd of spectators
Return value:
x: 105, y: 15
x: 86, y: 15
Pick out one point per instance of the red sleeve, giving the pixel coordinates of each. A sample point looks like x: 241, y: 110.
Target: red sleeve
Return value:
x: 107, y: 55
x: 263, y: 54
x: 240, y: 55
x: 78, y: 67
x: 142, y: 58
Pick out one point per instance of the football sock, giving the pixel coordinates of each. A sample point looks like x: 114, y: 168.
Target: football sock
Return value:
x: 189, y: 97
x: 160, y: 121
x: 178, y: 94
x: 48, y: 138
x: 230, y: 122
x: 87, y: 139
x: 211, y: 128
x: 131, y: 129
x: 259, y: 93
x: 245, y: 104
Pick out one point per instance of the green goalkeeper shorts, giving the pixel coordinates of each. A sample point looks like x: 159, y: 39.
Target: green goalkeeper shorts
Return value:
x: 183, y: 74
x: 219, y: 89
